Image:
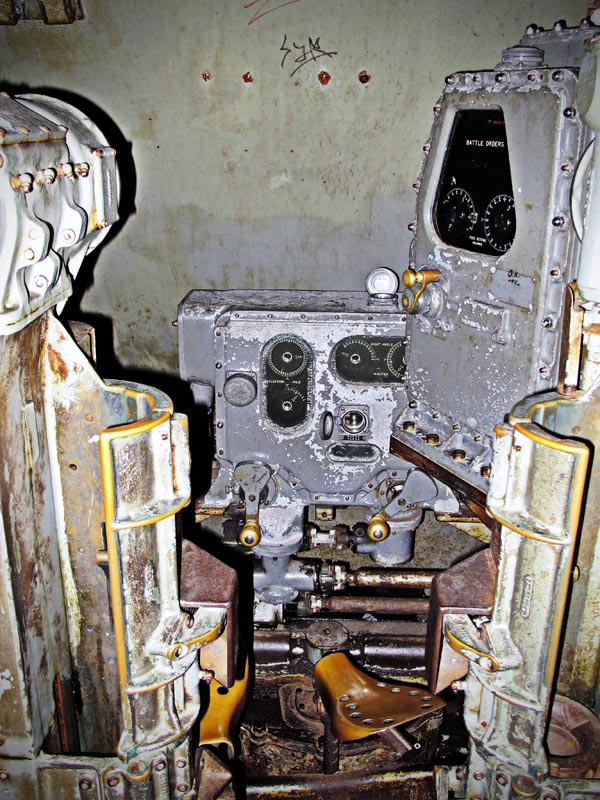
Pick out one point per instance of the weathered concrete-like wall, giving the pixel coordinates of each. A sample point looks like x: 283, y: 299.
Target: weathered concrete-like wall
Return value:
x: 279, y: 181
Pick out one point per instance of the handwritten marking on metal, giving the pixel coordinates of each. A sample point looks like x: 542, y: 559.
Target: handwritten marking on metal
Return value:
x: 266, y: 7
x: 307, y: 53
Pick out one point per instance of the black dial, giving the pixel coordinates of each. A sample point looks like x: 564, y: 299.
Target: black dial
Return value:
x: 499, y: 222
x: 355, y: 358
x: 287, y: 380
x: 287, y: 357
x: 396, y: 359
x: 473, y: 207
x: 457, y: 214
x: 369, y: 359
x: 286, y: 405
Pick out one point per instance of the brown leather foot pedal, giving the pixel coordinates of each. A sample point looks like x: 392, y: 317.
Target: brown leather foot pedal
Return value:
x: 360, y: 705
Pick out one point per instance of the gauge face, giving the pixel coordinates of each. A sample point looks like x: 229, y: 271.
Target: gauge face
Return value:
x: 288, y: 357
x: 396, y: 360
x: 354, y: 358
x: 457, y: 214
x: 369, y: 359
x: 286, y: 405
x: 287, y: 380
x: 473, y: 208
x: 499, y: 222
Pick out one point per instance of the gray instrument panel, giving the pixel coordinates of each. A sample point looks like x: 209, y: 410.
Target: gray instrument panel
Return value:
x: 493, y: 216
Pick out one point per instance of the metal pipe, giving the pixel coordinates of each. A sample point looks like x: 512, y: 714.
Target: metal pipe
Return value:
x: 396, y: 606
x: 331, y: 747
x: 392, y: 578
x: 411, y: 783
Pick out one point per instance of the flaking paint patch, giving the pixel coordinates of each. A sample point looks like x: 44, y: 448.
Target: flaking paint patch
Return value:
x: 6, y: 681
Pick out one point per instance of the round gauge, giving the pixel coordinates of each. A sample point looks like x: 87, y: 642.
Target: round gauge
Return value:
x: 287, y: 357
x: 499, y: 222
x: 287, y: 406
x: 396, y: 359
x: 457, y: 214
x: 290, y: 400
x: 354, y: 358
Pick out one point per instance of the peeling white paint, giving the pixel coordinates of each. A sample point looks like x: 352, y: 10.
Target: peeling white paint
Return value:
x: 6, y: 681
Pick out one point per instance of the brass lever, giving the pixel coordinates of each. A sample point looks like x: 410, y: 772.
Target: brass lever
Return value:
x: 252, y: 477
x: 421, y: 279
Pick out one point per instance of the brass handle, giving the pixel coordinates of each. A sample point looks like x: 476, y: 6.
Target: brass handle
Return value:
x: 378, y: 529
x: 250, y: 534
x: 412, y: 278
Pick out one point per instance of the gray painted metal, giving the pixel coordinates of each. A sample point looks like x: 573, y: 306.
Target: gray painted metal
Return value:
x: 494, y: 334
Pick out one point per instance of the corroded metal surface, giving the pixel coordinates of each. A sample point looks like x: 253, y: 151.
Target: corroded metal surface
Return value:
x: 467, y: 588
x: 394, y: 785
x: 35, y: 644
x: 536, y: 493
x: 59, y: 194
x: 77, y: 412
x: 385, y: 606
x: 207, y: 582
x: 406, y: 578
x: 573, y: 740
x: 69, y: 511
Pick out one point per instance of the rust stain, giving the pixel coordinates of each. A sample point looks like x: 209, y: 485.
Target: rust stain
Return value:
x: 57, y: 363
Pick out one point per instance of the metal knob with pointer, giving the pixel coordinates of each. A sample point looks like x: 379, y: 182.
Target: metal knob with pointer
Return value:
x: 418, y: 488
x: 252, y: 477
